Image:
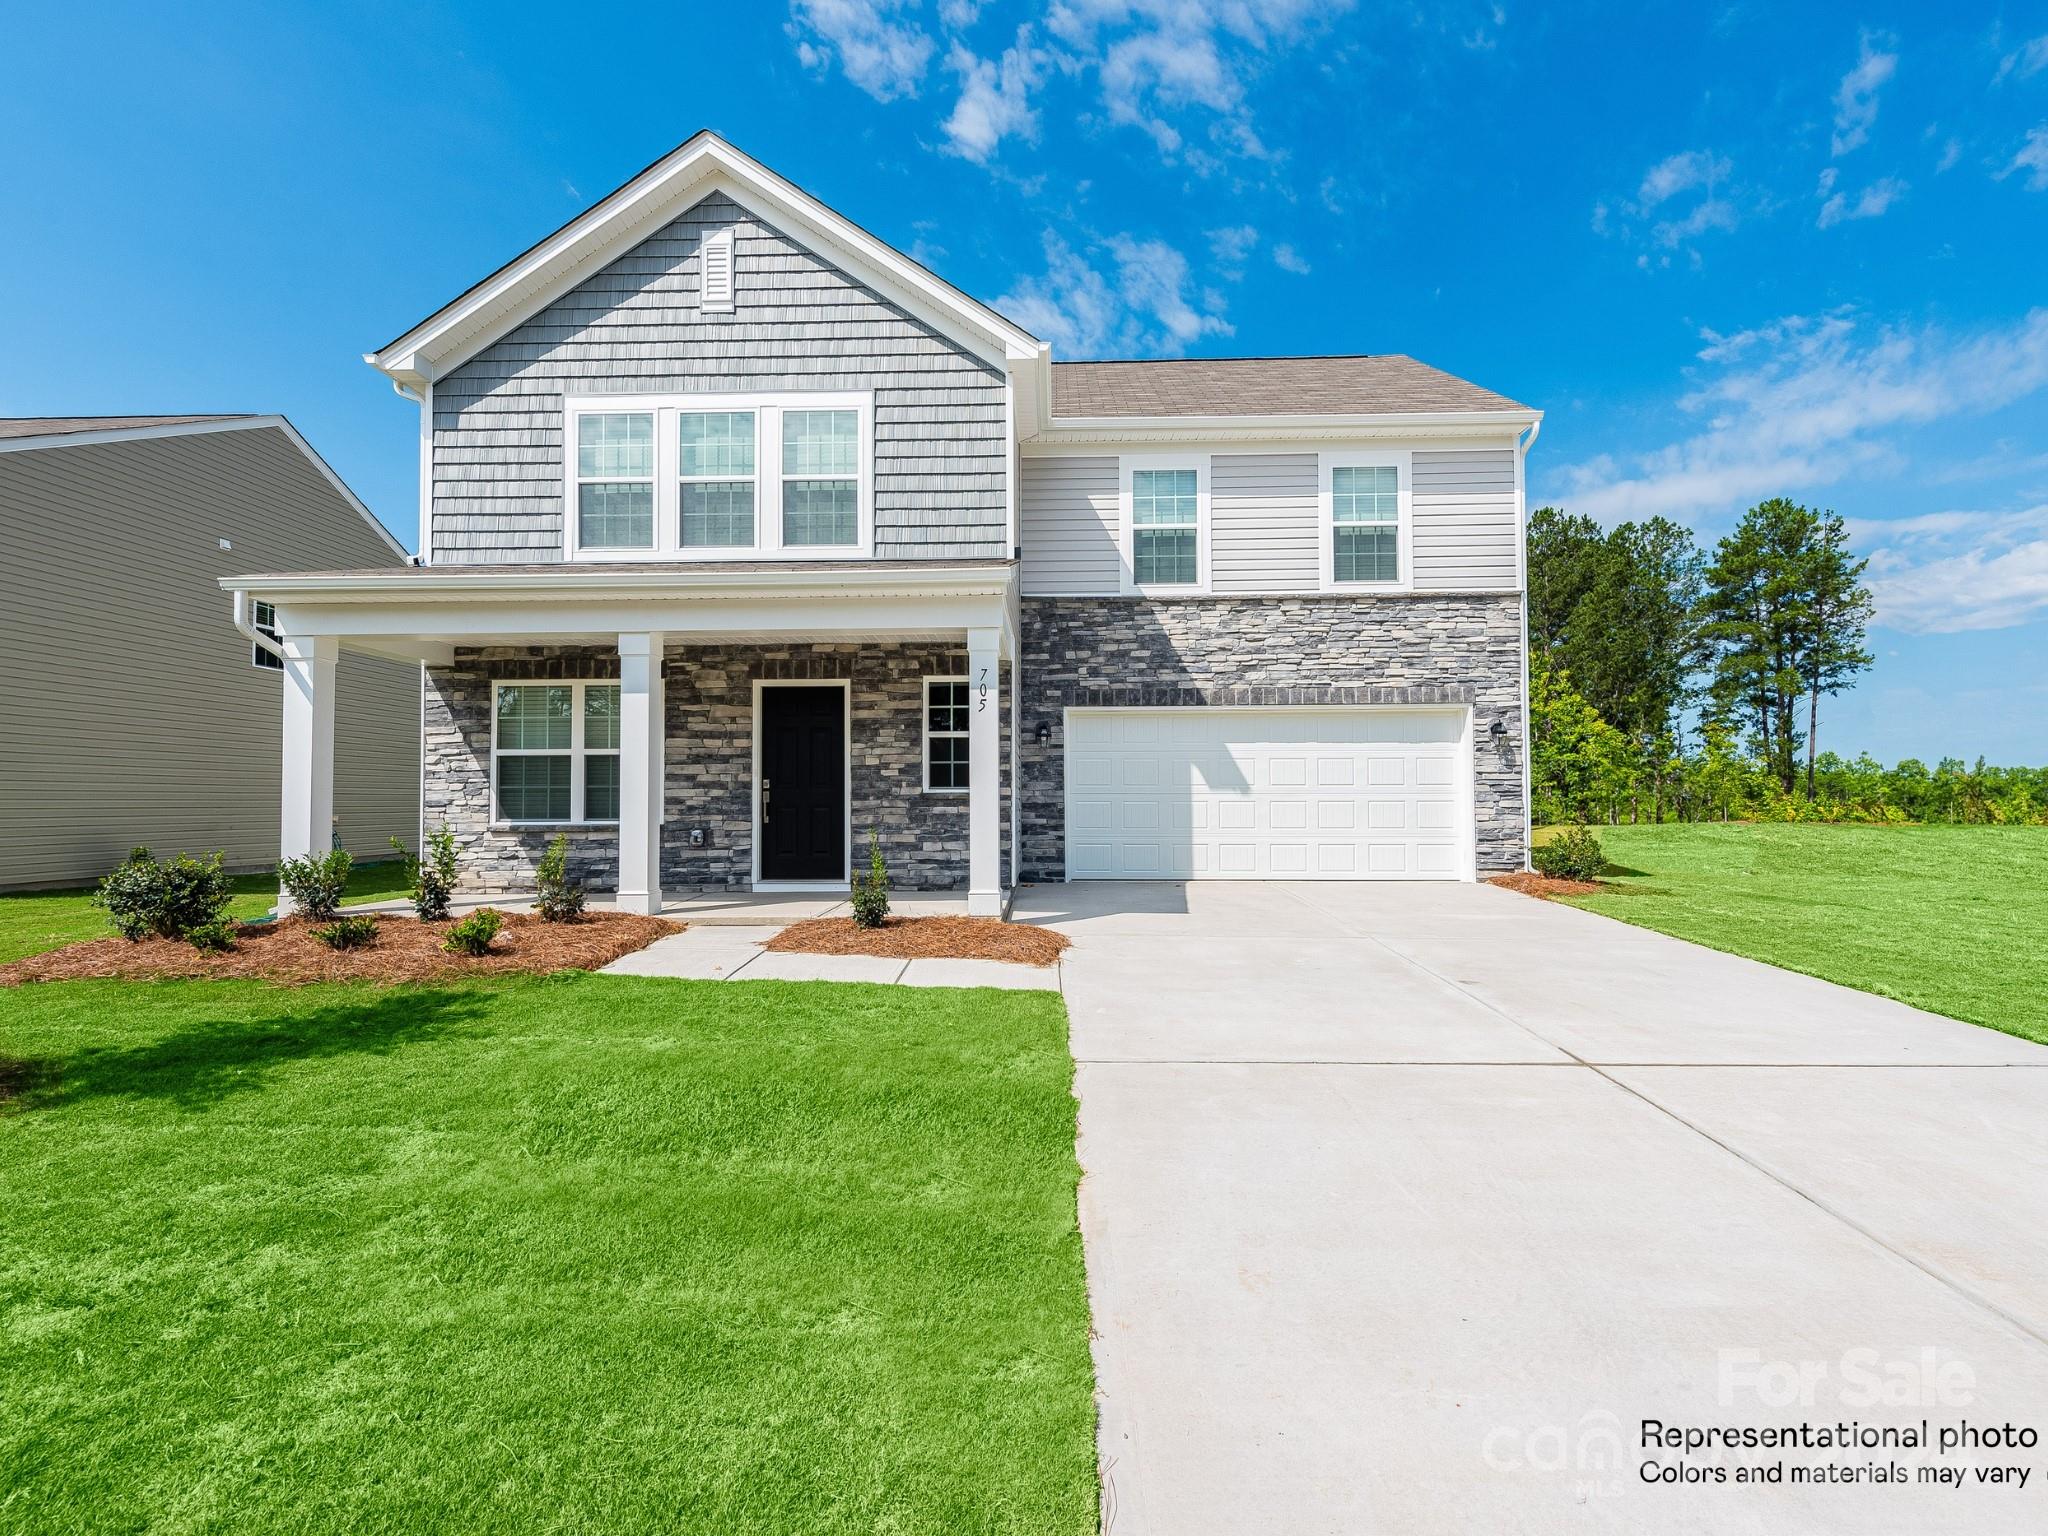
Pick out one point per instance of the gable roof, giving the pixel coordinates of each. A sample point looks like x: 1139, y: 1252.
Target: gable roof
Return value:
x: 702, y: 164
x: 1374, y: 385
x: 71, y: 426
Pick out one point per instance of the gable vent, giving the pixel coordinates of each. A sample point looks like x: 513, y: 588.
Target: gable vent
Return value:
x: 717, y: 274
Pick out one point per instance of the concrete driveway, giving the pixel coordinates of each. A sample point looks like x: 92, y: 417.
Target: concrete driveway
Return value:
x: 1405, y: 1205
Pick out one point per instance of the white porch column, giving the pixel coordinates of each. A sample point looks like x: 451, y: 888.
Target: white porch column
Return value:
x: 642, y: 737
x: 306, y: 822
x: 984, y: 773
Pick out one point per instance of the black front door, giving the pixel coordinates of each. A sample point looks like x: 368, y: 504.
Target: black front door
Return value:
x: 803, y: 783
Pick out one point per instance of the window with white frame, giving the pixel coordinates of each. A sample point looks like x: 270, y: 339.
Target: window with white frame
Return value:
x: 615, y: 480
x: 946, y: 712
x: 1365, y: 523
x: 704, y: 476
x: 263, y: 616
x: 555, y: 752
x: 1165, y: 511
x: 715, y: 454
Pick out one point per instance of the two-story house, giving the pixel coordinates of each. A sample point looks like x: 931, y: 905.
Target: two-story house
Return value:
x: 744, y: 535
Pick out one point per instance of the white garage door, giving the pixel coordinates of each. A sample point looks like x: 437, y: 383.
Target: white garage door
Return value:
x: 1267, y: 794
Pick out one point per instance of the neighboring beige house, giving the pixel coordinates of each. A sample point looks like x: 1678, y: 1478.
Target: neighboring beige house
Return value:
x: 130, y: 712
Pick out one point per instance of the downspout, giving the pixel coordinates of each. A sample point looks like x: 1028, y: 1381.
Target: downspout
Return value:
x: 247, y: 626
x: 1522, y: 448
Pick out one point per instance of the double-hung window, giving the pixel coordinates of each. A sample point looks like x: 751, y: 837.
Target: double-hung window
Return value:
x: 615, y: 480
x: 555, y: 752
x: 1365, y: 519
x: 719, y: 476
x: 263, y: 617
x: 946, y: 710
x: 1164, y: 505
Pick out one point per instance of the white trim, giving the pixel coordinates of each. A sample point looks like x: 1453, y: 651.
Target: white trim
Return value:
x: 426, y: 533
x: 1127, y: 581
x: 1402, y: 462
x: 577, y: 753
x: 1526, y: 747
x: 845, y: 685
x: 925, y: 738
x: 715, y: 300
x: 767, y: 408
x: 843, y: 578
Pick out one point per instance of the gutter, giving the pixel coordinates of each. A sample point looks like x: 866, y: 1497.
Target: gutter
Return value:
x: 247, y: 625
x: 621, y: 582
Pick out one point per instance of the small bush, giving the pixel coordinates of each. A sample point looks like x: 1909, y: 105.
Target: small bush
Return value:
x: 432, y: 874
x: 214, y: 938
x: 358, y: 932
x: 871, y: 889
x: 473, y: 935
x: 558, y: 899
x: 1574, y: 854
x: 316, y: 883
x: 148, y: 897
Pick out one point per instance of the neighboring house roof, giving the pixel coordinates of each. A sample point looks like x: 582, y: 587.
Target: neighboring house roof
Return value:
x: 30, y: 434
x: 71, y: 426
x: 1375, y: 385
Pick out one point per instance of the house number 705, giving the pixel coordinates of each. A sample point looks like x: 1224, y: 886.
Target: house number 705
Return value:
x: 981, y: 691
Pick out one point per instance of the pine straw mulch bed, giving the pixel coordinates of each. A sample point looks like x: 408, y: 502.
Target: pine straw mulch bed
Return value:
x: 406, y: 949
x: 1529, y: 883
x: 924, y: 938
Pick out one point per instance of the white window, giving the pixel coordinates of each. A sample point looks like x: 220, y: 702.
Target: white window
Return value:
x: 264, y: 618
x: 1365, y: 502
x: 946, y: 711
x: 1165, y: 514
x: 715, y: 251
x: 614, y: 505
x: 710, y: 477
x: 555, y: 752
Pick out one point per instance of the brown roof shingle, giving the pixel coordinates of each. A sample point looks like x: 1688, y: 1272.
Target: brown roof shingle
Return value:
x: 1382, y: 384
x: 71, y: 426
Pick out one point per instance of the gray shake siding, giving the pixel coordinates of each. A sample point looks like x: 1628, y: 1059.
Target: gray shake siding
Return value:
x: 709, y: 702
x: 1273, y: 651
x: 798, y: 323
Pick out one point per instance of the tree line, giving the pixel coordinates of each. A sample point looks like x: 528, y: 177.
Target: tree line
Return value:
x: 1667, y: 682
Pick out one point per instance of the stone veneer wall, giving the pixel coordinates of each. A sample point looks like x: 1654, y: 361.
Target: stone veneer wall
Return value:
x: 1109, y: 652
x: 709, y: 703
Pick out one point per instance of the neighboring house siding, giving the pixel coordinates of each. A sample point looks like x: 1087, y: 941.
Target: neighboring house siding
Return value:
x: 1263, y: 523
x: 1069, y: 526
x: 1465, y: 519
x: 129, y: 712
x: 798, y: 323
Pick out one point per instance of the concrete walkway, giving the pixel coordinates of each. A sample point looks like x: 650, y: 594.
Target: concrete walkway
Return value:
x: 730, y: 952
x: 1405, y: 1205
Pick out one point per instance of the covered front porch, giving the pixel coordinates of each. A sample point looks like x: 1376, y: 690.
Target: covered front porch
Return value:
x: 713, y: 728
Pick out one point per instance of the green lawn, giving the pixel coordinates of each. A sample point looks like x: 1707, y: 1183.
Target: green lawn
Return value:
x: 575, y: 1254
x: 33, y: 921
x: 1945, y: 918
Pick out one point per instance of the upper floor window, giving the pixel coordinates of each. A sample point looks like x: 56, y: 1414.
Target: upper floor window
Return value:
x: 1365, y: 521
x: 718, y: 476
x: 1165, y: 515
x: 264, y: 617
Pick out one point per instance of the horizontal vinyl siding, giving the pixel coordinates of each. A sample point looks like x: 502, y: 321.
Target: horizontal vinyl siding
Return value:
x: 797, y: 324
x: 1069, y: 527
x: 129, y: 712
x: 1262, y: 509
x: 1464, y: 505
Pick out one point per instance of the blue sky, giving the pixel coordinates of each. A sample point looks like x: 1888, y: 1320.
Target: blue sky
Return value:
x: 1732, y: 253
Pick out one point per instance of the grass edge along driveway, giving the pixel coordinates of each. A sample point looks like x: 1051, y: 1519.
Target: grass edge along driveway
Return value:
x: 1948, y: 919
x: 573, y: 1253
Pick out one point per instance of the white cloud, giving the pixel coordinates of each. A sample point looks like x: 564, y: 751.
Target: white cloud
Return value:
x: 881, y: 53
x: 1945, y: 572
x: 1803, y: 402
x: 2030, y: 58
x: 1231, y: 245
x: 2033, y: 159
x: 1287, y: 259
x: 1870, y: 203
x: 995, y: 99
x: 1951, y: 152
x: 1680, y: 173
x: 1144, y: 310
x: 1856, y: 96
x: 959, y: 14
x: 1658, y: 211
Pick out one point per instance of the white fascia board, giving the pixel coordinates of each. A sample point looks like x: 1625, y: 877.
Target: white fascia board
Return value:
x: 625, y: 583
x: 703, y: 165
x: 202, y: 428
x: 1065, y: 432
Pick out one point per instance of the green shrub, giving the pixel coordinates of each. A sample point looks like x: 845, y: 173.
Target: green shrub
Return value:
x: 432, y: 874
x: 1574, y: 854
x: 871, y: 889
x: 558, y: 899
x: 473, y: 935
x: 358, y: 932
x: 316, y: 883
x: 215, y: 938
x: 148, y: 897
